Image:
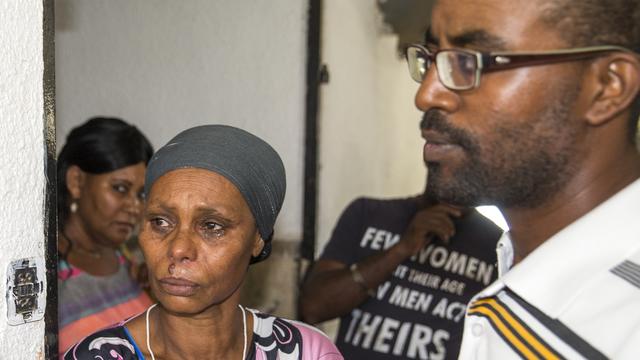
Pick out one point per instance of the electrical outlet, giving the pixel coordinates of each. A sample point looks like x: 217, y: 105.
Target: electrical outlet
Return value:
x: 25, y: 290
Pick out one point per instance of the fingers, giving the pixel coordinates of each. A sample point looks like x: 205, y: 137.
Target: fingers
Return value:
x: 436, y: 224
x: 452, y: 210
x: 435, y: 221
x: 438, y: 219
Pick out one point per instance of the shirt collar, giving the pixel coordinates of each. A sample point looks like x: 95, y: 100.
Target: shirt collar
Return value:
x: 504, y: 252
x: 555, y: 272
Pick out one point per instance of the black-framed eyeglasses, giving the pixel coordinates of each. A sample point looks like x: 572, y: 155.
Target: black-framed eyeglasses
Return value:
x: 460, y: 69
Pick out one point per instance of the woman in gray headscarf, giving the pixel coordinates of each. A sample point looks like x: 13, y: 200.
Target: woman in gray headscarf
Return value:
x: 213, y: 195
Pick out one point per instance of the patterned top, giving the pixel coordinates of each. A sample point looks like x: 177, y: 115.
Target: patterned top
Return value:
x: 88, y: 303
x: 273, y: 338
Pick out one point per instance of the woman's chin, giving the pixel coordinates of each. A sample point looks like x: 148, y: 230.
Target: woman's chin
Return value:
x: 186, y: 306
x: 118, y: 239
x: 118, y: 235
x: 183, y: 308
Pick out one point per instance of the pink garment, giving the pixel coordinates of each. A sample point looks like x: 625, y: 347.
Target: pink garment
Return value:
x: 273, y: 338
x: 290, y: 340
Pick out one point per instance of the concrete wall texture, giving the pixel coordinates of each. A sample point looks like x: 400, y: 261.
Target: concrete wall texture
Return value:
x: 22, y: 153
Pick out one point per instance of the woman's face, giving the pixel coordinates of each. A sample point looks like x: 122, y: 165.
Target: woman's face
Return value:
x: 109, y: 205
x: 198, y: 235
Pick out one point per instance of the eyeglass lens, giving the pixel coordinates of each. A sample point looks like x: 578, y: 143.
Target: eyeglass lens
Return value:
x: 419, y: 63
x: 456, y: 69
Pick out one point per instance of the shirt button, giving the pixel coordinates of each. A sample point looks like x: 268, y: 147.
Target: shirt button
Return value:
x: 477, y: 329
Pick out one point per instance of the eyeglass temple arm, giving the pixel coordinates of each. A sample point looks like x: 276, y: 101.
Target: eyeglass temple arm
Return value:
x: 503, y: 61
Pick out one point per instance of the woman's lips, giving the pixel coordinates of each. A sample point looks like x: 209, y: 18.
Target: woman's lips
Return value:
x: 178, y: 286
x: 124, y: 226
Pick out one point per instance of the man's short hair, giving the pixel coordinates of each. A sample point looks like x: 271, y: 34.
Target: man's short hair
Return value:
x: 596, y: 22
x: 599, y: 22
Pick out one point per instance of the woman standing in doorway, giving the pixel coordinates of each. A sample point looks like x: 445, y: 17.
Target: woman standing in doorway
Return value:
x: 101, y: 171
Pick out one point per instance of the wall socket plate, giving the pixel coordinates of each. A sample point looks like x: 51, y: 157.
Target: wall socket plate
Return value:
x: 26, y: 295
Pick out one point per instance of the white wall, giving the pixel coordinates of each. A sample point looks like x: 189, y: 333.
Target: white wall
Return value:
x: 167, y: 65
x: 369, y: 139
x: 22, y: 153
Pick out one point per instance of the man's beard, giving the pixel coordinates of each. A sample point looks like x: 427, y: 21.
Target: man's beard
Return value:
x: 528, y: 163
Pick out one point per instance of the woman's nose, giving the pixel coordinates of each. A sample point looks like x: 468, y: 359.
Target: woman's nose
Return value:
x: 134, y: 205
x: 182, y: 247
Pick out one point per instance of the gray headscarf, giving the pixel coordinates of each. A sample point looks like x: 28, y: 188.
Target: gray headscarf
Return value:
x: 251, y: 164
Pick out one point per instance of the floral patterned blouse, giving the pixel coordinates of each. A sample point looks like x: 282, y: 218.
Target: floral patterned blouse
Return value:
x: 273, y: 338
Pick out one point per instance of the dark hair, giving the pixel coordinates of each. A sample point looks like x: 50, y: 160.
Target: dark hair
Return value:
x: 599, y: 22
x: 99, y: 146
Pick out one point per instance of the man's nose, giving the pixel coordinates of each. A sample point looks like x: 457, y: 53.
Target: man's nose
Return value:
x: 432, y: 94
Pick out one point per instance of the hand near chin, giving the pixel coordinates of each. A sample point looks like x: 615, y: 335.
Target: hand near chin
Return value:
x: 435, y: 221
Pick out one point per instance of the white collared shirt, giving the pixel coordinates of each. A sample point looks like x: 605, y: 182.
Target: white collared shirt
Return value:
x: 575, y: 296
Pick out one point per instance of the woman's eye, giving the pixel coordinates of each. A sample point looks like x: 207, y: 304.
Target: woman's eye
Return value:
x: 160, y: 224
x: 212, y: 228
x: 120, y: 188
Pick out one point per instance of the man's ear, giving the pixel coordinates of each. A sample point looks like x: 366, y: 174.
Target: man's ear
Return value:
x: 75, y: 181
x: 616, y: 83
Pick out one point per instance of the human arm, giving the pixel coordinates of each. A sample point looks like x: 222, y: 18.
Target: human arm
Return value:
x: 331, y: 290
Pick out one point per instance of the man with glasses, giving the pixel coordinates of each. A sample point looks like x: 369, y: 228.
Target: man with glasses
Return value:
x: 533, y: 106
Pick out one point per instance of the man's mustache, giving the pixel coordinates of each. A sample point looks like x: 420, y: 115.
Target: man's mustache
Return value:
x: 436, y: 121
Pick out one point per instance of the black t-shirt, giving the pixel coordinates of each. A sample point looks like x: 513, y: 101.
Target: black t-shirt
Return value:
x: 418, y: 312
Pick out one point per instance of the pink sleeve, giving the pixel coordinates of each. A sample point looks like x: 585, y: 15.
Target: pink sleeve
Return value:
x: 315, y: 344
